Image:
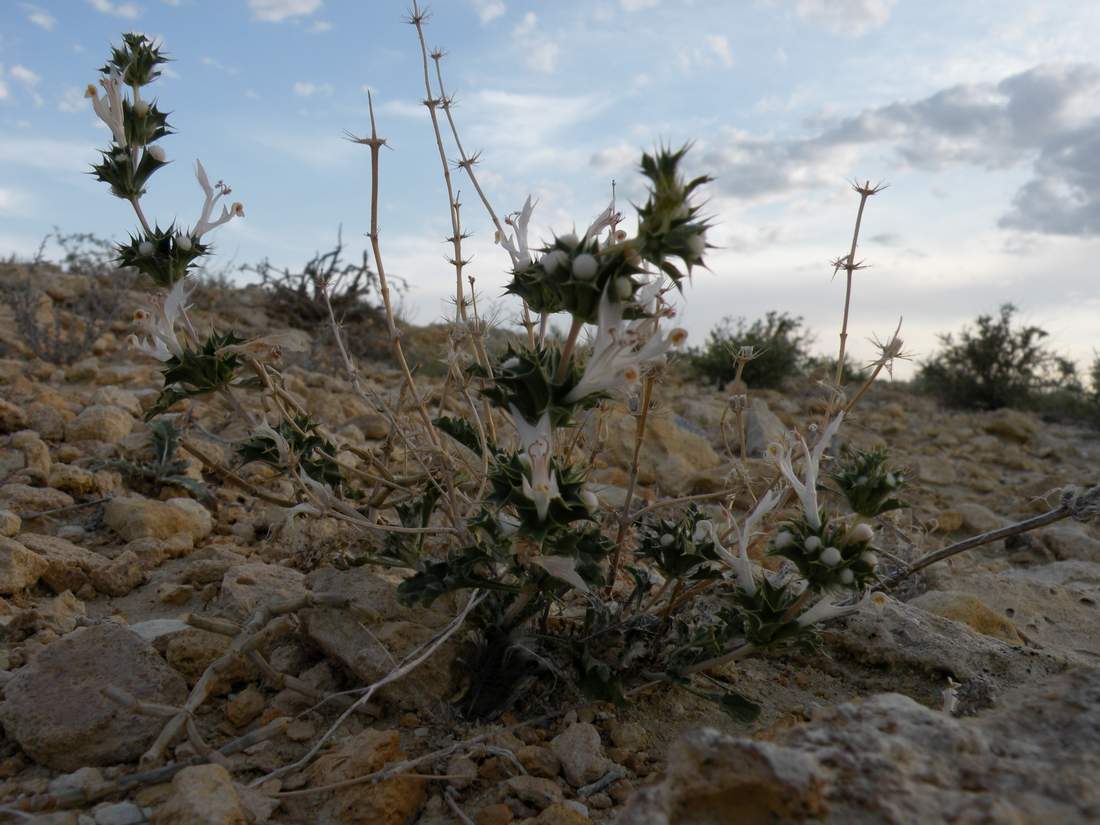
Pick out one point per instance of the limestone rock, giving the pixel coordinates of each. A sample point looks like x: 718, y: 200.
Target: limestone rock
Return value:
x: 580, y: 751
x: 72, y: 479
x: 979, y: 518
x: 535, y: 791
x: 19, y: 567
x: 1012, y: 425
x: 138, y: 518
x: 25, y: 500
x: 12, y: 417
x: 54, y: 709
x: 762, y: 427
x: 36, y: 455
x: 70, y: 566
x: 891, y: 760
x: 371, y: 598
x: 202, y: 795
x: 969, y: 609
x: 390, y: 802
x: 100, y: 422
x: 10, y: 523
x: 246, y: 586
x: 680, y: 460
x: 936, y: 470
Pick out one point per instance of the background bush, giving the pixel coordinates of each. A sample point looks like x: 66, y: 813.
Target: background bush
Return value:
x: 779, y: 337
x: 999, y: 363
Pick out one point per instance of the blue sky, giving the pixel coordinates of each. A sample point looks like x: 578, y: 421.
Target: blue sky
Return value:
x: 983, y: 116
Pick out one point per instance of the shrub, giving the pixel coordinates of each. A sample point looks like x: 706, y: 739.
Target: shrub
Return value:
x: 60, y: 326
x: 779, y: 345
x: 997, y: 364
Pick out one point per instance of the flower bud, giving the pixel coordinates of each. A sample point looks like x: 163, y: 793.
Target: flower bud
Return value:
x: 702, y: 531
x: 847, y: 576
x: 568, y: 239
x: 141, y: 108
x: 783, y: 539
x: 183, y: 241
x: 145, y: 248
x: 624, y: 288
x: 585, y: 266
x: 677, y: 336
x: 667, y: 539
x: 869, y: 558
x: 552, y: 260
x: 861, y: 533
x: 156, y: 153
x: 589, y: 500
x: 812, y: 544
x: 697, y: 245
x: 830, y: 557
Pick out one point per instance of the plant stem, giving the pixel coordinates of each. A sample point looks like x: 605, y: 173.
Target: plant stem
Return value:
x: 624, y: 517
x: 850, y: 268
x: 567, y: 349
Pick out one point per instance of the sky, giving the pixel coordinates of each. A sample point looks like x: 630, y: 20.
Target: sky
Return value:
x: 983, y: 117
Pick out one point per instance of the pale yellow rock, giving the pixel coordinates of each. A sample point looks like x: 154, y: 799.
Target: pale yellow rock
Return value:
x: 202, y: 795
x: 100, y: 422
x: 970, y: 610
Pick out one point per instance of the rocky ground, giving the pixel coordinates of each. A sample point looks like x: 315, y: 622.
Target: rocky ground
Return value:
x: 98, y: 572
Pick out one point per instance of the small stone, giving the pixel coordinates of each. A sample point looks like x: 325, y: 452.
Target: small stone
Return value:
x: 462, y: 770
x: 202, y: 795
x: 28, y: 500
x: 979, y: 518
x: 119, y: 813
x: 10, y: 524
x: 12, y: 417
x: 100, y: 422
x: 581, y: 754
x: 539, y: 761
x: 54, y: 710
x: 563, y: 814
x: 936, y: 470
x: 1012, y: 425
x: 390, y: 802
x: 36, y: 456
x: 176, y: 594
x: 246, y: 586
x: 137, y: 518
x: 120, y: 576
x: 74, y: 480
x: 19, y: 567
x: 300, y: 730
x: 498, y: 814
x: 245, y: 706
x: 71, y: 567
x: 533, y: 790
x: 629, y: 735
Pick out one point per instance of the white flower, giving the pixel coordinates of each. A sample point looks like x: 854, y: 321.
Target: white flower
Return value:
x: 212, y: 194
x: 826, y: 609
x: 282, y: 447
x: 542, y: 486
x: 806, y: 487
x: 156, y: 153
x: 516, y: 245
x: 745, y: 534
x: 609, y: 217
x: 585, y: 267
x: 109, y: 107
x: 830, y: 557
x: 621, y: 349
x: 162, y: 342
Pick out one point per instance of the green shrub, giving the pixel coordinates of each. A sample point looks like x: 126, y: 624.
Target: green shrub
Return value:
x: 780, y: 345
x: 1001, y: 364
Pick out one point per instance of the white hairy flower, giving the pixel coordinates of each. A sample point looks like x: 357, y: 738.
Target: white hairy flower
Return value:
x: 826, y: 609
x: 745, y: 534
x: 212, y: 194
x: 621, y: 348
x: 806, y: 487
x: 542, y: 485
x: 109, y: 107
x: 516, y: 246
x: 160, y: 327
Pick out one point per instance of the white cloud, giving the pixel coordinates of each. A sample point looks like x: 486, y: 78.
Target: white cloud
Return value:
x: 720, y: 45
x: 61, y: 158
x: 637, y: 5
x: 851, y: 17
x: 275, y: 11
x: 489, y: 10
x: 304, y: 88
x: 11, y: 199
x: 126, y: 10
x: 73, y: 100
x: 40, y: 17
x: 24, y: 75
x: 540, y: 54
x: 319, y: 27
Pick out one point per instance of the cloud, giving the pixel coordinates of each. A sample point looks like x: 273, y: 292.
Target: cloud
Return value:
x: 540, y: 54
x: 319, y: 27
x: 40, y: 17
x: 720, y: 45
x: 489, y: 10
x: 126, y: 10
x: 11, y: 200
x: 304, y: 88
x: 24, y: 75
x: 73, y: 100
x: 1048, y: 116
x: 845, y: 17
x: 61, y: 158
x: 637, y: 5
x: 275, y: 11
